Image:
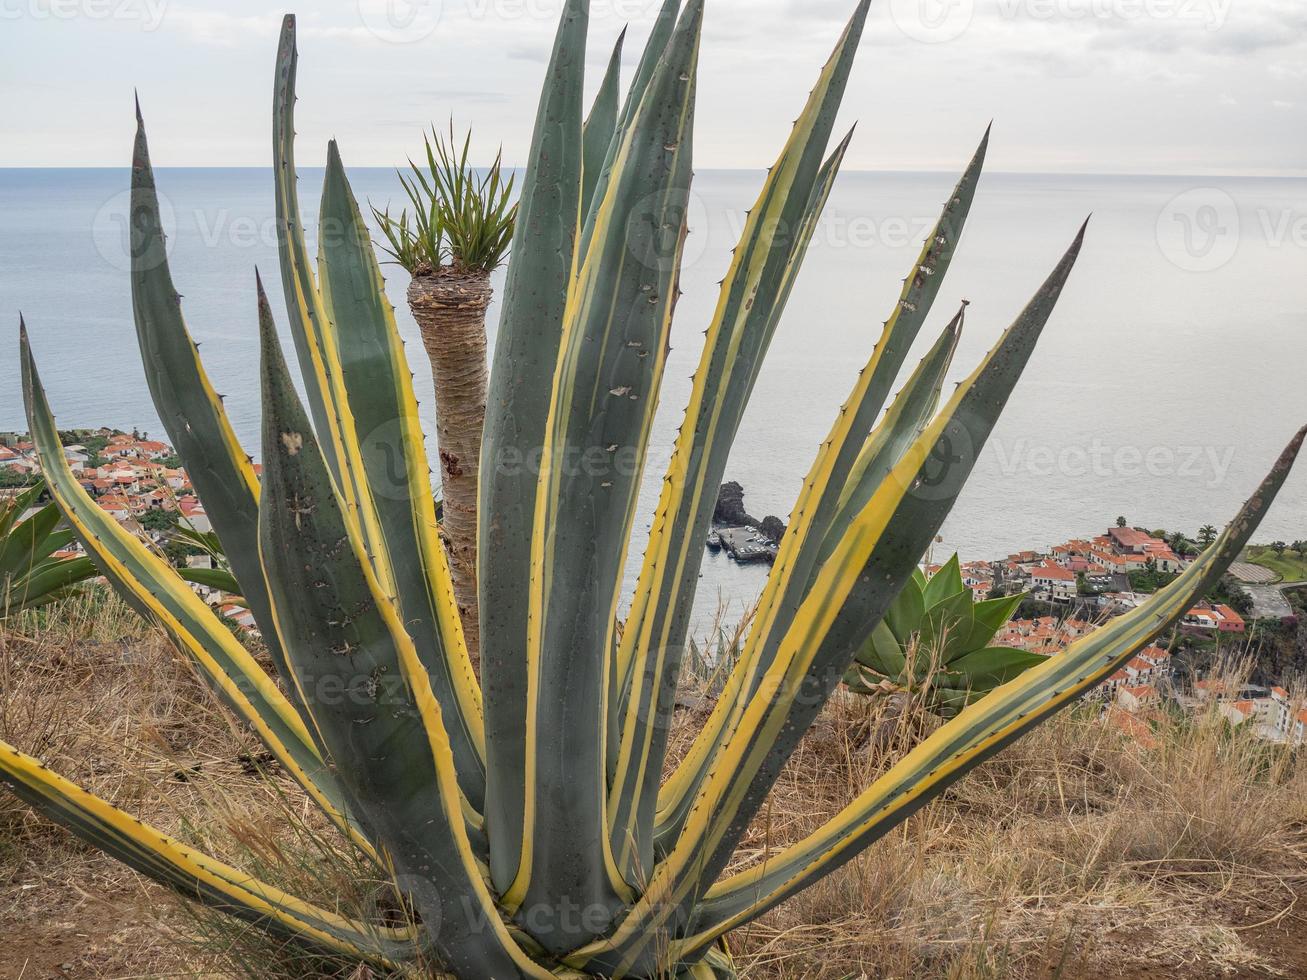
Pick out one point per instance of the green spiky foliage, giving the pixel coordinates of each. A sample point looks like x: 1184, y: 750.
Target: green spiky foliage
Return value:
x: 525, y: 819
x: 459, y: 218
x: 218, y: 575
x: 933, y: 645
x: 32, y: 574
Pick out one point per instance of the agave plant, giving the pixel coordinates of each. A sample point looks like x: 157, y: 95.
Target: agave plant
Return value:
x: 933, y: 644
x: 31, y: 573
x: 525, y: 819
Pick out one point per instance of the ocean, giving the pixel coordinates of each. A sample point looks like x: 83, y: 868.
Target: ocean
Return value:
x: 1169, y: 377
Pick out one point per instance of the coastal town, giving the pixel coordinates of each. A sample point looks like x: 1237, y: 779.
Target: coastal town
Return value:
x: 141, y: 484
x: 1076, y: 586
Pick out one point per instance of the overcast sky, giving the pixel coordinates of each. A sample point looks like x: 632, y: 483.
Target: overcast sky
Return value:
x: 1120, y: 86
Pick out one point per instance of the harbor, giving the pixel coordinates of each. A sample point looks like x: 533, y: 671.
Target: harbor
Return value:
x: 745, y: 545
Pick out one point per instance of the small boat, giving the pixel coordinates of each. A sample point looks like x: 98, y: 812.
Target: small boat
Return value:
x: 714, y: 541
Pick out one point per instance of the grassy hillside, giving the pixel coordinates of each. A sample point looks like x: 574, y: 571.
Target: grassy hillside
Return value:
x: 1289, y: 566
x: 1172, y: 849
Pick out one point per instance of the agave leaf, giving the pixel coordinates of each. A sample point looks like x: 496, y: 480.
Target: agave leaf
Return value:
x: 615, y: 340
x: 19, y: 548
x: 946, y: 627
x: 191, y: 411
x: 654, y: 48
x: 908, y: 415
x: 521, y: 386
x: 15, y: 507
x: 664, y: 597
x: 383, y: 405
x: 311, y: 327
x: 906, y: 612
x: 882, y: 653
x: 980, y: 732
x: 52, y: 580
x: 819, y: 502
x: 55, y: 541
x: 753, y: 296
x: 521, y: 390
x: 600, y: 126
x: 157, y: 593
x: 358, y: 670
x: 818, y: 506
x: 194, y: 875
x: 990, y: 616
x: 851, y: 595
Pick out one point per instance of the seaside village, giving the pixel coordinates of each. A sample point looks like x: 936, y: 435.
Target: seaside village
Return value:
x: 132, y: 477
x: 1086, y: 582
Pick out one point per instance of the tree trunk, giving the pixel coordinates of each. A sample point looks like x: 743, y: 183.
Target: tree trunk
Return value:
x: 449, y: 306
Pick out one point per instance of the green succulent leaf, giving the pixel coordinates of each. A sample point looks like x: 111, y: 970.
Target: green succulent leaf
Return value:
x: 154, y: 590
x: 213, y: 578
x: 393, y: 456
x: 615, y: 340
x: 194, y: 875
x: 521, y: 388
x: 359, y: 672
x: 753, y: 296
x: 944, y: 585
x: 988, y: 668
x: 601, y: 126
x: 191, y: 410
x: 979, y: 732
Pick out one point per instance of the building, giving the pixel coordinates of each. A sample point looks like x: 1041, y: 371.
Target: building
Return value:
x: 1053, y: 581
x: 1215, y: 619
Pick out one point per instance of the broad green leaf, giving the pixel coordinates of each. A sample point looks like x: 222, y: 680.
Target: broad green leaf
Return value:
x: 521, y: 387
x: 851, y: 595
x: 393, y: 455
x: 196, y: 876
x: 153, y: 588
x: 992, y: 666
x: 944, y: 585
x: 615, y: 340
x: 359, y: 672
x: 600, y: 126
x: 213, y: 578
x: 980, y: 732
x: 191, y: 410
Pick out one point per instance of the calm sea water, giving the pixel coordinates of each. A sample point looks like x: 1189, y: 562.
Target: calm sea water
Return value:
x: 1170, y: 375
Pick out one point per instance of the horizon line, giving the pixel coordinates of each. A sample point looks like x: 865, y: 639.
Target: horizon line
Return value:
x: 1222, y: 174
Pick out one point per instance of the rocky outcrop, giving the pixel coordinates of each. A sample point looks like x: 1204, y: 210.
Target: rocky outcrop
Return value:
x: 730, y: 512
x: 773, y: 529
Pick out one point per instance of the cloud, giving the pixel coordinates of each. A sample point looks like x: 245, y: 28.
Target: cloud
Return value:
x: 221, y: 28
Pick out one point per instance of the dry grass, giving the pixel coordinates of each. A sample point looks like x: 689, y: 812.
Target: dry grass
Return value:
x: 1079, y: 851
x: 108, y: 703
